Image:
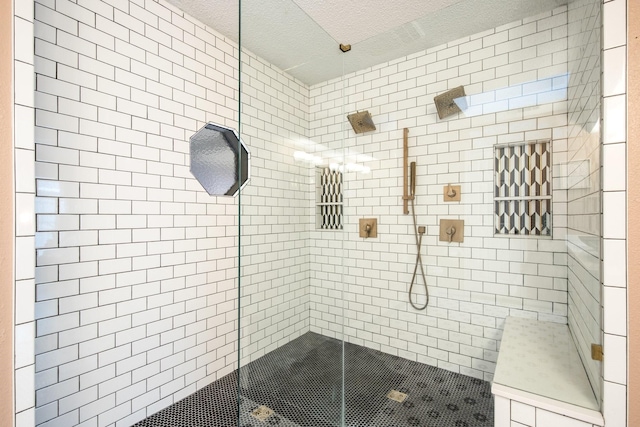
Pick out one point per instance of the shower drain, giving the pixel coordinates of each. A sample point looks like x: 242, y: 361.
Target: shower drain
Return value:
x: 397, y: 395
x: 261, y: 413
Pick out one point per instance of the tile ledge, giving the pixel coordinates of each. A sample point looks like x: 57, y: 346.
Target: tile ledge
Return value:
x: 548, y: 404
x: 538, y: 364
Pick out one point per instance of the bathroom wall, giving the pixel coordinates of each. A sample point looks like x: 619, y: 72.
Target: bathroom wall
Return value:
x: 615, y: 161
x: 137, y: 267
x: 23, y: 215
x: 516, y: 76
x: 584, y: 181
x: 276, y: 216
x: 329, y: 252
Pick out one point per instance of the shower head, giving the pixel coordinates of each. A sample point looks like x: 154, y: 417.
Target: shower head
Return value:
x: 361, y: 122
x: 450, y: 102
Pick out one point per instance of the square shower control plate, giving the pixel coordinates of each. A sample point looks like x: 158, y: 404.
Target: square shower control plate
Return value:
x: 457, y: 236
x: 372, y: 231
x: 451, y: 193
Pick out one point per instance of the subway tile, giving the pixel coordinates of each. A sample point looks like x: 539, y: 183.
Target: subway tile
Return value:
x: 23, y: 40
x: 614, y: 215
x: 25, y: 397
x: 24, y: 214
x: 614, y: 404
x: 522, y: 413
x: 24, y: 182
x: 614, y: 163
x: 546, y: 418
x: 46, y: 412
x: 614, y: 22
x: 23, y: 127
x: 24, y: 252
x: 24, y: 296
x: 74, y: 369
x: 24, y: 345
x: 615, y: 311
x: 24, y: 10
x: 614, y: 119
x: 57, y: 323
x: 616, y: 361
x: 614, y: 263
x: 614, y: 62
x: 55, y: 358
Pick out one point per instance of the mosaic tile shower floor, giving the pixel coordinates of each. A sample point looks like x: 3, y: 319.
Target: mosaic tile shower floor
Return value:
x: 302, y: 382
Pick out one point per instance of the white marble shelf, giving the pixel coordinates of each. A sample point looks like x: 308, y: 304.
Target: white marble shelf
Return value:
x: 538, y: 364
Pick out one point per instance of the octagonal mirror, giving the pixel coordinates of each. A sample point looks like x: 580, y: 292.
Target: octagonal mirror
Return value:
x: 219, y: 160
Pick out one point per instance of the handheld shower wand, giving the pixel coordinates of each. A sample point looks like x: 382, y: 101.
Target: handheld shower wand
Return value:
x: 413, y: 180
x: 419, y: 231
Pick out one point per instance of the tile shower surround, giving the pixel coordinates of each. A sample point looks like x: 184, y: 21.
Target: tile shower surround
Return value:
x: 516, y: 78
x: 273, y: 83
x: 136, y: 274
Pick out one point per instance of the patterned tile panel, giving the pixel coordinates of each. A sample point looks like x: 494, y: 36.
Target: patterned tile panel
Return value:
x: 523, y: 189
x: 330, y: 195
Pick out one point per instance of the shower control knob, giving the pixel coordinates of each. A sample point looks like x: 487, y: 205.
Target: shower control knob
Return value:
x: 450, y: 232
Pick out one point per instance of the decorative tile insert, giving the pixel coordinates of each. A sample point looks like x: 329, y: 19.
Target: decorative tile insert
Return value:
x: 522, y: 198
x: 329, y: 199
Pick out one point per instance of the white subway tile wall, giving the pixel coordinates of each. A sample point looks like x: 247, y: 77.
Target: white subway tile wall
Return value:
x: 516, y: 80
x: 136, y: 266
x: 276, y: 211
x: 614, y: 208
x: 135, y: 281
x: 614, y: 257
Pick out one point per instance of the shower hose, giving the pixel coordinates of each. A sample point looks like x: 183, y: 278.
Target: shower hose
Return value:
x: 418, y: 260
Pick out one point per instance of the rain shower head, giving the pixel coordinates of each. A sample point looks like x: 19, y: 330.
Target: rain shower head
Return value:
x: 361, y: 122
x: 450, y: 102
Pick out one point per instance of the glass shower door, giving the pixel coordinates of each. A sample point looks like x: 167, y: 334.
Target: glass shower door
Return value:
x: 291, y: 237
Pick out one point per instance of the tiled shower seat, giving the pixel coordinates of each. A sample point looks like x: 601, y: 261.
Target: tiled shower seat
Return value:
x: 540, y: 380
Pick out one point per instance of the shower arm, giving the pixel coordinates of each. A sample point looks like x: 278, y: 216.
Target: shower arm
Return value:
x: 405, y: 186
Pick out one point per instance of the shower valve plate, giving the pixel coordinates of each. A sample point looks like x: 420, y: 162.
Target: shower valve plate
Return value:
x: 458, y: 235
x: 261, y: 413
x: 451, y: 193
x: 397, y: 396
x: 373, y: 227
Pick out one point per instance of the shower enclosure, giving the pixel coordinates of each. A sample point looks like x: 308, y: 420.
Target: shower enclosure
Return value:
x: 326, y: 329
x: 137, y: 290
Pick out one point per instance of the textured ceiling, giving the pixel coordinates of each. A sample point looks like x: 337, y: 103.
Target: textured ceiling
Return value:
x: 352, y: 21
x: 302, y: 36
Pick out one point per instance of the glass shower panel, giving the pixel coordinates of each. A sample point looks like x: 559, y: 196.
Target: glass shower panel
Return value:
x: 522, y: 152
x: 290, y: 335
x: 331, y: 286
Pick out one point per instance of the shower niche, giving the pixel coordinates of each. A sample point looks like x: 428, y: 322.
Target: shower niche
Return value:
x: 329, y: 199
